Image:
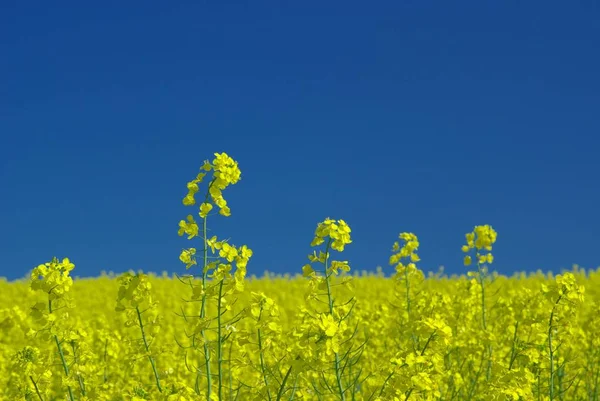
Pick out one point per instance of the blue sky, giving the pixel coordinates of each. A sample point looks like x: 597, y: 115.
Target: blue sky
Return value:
x: 396, y: 116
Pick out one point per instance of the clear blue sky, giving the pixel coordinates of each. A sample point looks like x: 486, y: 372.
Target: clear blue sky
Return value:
x: 416, y: 116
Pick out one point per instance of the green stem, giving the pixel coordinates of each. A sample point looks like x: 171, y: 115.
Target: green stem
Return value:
x: 220, y: 342
x: 203, y: 307
x: 293, y: 392
x: 385, y: 382
x: 287, y: 375
x: 539, y: 384
x: 105, y: 355
x: 62, y: 355
x: 483, y: 317
x: 474, y: 381
x: 64, y: 364
x: 79, y: 378
x: 551, y: 350
x: 483, y: 314
x: 230, y: 376
x: 407, y: 284
x: 148, y: 349
x: 37, y: 390
x: 262, y: 358
x: 513, y: 353
x: 482, y: 283
x: 596, y: 381
x: 330, y: 301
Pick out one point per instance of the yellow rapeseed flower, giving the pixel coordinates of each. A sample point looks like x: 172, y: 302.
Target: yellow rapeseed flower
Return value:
x: 188, y: 227
x: 205, y: 208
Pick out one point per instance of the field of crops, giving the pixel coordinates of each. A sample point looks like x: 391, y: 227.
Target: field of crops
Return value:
x: 327, y: 333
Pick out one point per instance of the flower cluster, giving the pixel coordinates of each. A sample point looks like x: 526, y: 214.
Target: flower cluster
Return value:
x: 225, y: 173
x: 406, y: 250
x: 565, y: 288
x: 188, y: 257
x: 481, y: 239
x: 221, y: 267
x: 53, y: 278
x: 134, y: 290
x: 338, y: 233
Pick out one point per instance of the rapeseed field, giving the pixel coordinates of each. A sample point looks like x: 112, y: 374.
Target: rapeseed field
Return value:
x: 326, y: 333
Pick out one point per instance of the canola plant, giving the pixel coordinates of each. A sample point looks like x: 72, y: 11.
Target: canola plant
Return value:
x: 327, y: 333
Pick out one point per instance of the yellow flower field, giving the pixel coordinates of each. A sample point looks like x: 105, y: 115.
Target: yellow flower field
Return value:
x: 326, y: 333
